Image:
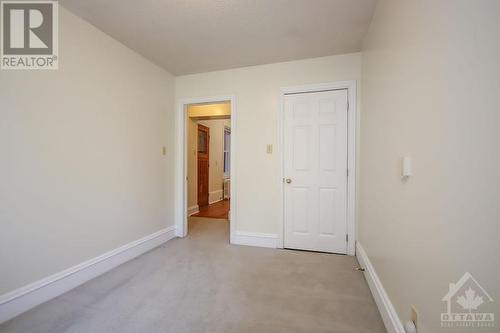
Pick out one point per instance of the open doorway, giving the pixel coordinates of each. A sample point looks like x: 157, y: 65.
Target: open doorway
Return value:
x: 208, y: 128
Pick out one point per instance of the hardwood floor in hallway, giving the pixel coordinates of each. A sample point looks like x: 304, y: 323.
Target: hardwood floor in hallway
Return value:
x: 218, y: 210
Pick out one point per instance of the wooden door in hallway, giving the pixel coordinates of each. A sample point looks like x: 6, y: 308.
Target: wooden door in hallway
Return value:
x: 315, y: 170
x: 203, y: 164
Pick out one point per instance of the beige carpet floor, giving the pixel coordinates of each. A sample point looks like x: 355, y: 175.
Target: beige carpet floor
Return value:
x: 203, y: 284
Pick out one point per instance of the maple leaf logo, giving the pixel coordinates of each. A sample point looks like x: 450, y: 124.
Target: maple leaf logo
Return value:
x: 470, y: 301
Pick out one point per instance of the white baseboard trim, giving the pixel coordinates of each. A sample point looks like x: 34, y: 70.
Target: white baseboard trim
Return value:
x: 193, y: 210
x: 29, y: 296
x: 255, y: 239
x: 389, y: 315
x: 215, y: 196
x: 212, y: 202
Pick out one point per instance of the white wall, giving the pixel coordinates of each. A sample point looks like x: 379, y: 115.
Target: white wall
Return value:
x: 192, y: 160
x: 81, y: 169
x: 431, y: 82
x: 257, y: 92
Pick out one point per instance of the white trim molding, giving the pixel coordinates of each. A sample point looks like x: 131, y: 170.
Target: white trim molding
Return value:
x: 181, y: 208
x: 29, y: 296
x: 215, y: 196
x: 193, y: 210
x: 389, y: 315
x: 256, y: 239
x: 352, y: 132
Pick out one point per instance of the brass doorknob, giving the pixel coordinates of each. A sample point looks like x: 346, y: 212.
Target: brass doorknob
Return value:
x: 288, y: 180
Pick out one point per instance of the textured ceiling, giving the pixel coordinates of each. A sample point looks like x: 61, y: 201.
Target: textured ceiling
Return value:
x: 192, y: 36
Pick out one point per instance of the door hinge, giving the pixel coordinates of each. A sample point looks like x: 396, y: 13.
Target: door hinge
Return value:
x: 347, y: 238
x: 347, y: 106
x: 347, y: 172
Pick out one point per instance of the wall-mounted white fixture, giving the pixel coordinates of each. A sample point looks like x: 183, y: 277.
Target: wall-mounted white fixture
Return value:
x: 410, y: 327
x: 406, y: 167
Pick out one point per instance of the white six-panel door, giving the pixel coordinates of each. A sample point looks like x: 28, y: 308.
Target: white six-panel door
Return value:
x: 315, y: 170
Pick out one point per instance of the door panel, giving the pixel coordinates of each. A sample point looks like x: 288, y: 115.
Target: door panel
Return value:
x: 301, y: 146
x: 315, y: 149
x: 326, y: 211
x: 299, y: 216
x: 203, y: 164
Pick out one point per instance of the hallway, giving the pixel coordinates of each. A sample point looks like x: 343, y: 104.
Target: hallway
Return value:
x: 217, y: 210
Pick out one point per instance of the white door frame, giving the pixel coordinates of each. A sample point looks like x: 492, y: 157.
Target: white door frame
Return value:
x: 350, y: 86
x: 181, y: 165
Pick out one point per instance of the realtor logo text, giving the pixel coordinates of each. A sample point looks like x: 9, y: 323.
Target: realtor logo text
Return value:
x: 29, y: 35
